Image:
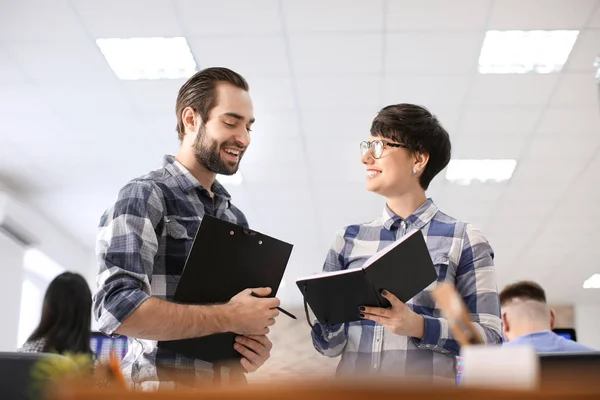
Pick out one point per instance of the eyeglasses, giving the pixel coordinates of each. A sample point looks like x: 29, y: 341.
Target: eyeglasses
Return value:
x: 377, y: 146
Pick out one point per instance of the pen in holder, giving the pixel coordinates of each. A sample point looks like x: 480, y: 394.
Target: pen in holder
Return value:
x: 455, y: 311
x: 115, y: 369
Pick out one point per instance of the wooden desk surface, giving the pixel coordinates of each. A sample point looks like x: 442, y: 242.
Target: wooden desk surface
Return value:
x: 331, y: 390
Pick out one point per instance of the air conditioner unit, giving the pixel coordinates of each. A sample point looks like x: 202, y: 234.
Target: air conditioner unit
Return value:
x: 9, y: 223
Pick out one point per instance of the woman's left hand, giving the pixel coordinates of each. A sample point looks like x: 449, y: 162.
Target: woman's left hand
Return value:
x: 399, y: 319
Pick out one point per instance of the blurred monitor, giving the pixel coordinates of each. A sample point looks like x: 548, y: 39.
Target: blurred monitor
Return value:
x: 459, y: 369
x: 102, y: 345
x: 580, y: 370
x: 567, y: 333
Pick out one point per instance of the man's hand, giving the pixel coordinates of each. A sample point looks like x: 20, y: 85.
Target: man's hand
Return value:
x: 255, y: 349
x: 251, y: 315
x: 399, y: 319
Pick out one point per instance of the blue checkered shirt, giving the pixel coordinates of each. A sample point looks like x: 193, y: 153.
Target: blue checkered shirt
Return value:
x: 461, y: 255
x: 142, y: 245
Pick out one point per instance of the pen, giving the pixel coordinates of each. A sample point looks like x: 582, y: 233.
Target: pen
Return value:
x: 115, y: 369
x: 289, y: 314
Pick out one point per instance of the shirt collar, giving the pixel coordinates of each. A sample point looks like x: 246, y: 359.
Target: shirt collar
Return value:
x: 187, y: 181
x: 545, y: 332
x: 416, y: 220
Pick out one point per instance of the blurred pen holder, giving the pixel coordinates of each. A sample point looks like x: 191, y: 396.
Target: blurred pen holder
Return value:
x: 499, y: 367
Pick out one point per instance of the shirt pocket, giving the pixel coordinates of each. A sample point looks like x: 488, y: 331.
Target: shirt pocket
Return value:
x: 424, y: 302
x: 441, y: 263
x: 443, y: 268
x: 179, y: 228
x: 178, y: 240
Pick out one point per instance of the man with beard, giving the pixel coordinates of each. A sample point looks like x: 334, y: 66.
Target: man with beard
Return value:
x: 146, y: 235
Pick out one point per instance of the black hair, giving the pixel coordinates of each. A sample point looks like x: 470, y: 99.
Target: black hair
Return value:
x: 420, y: 130
x: 199, y: 92
x: 66, y: 316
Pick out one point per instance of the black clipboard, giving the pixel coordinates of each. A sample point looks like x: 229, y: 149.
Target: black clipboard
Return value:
x: 224, y: 260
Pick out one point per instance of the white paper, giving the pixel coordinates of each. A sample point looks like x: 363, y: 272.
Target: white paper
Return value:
x: 369, y: 261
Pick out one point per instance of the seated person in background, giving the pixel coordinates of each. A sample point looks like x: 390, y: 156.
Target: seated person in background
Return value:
x: 528, y: 321
x: 65, y: 326
x: 408, y: 147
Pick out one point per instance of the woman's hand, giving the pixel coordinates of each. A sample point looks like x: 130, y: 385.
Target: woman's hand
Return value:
x: 399, y: 319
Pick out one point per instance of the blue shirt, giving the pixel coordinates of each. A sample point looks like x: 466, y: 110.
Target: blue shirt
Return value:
x: 548, y: 342
x: 461, y: 255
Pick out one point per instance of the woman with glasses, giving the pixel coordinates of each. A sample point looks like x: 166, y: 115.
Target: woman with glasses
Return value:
x: 408, y: 147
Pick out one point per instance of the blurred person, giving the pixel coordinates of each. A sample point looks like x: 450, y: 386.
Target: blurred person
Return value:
x: 65, y: 325
x: 145, y: 237
x: 528, y: 321
x: 408, y: 147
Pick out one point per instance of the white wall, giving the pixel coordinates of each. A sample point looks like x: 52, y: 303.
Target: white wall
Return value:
x: 53, y: 242
x: 11, y: 268
x: 587, y: 324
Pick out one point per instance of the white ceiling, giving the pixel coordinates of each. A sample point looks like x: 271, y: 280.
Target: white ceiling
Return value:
x: 72, y: 134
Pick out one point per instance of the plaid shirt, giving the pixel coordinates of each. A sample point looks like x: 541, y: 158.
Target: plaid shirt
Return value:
x: 461, y: 256
x: 33, y: 346
x: 142, y: 245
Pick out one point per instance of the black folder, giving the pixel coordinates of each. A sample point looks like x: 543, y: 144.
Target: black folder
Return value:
x: 404, y: 268
x: 224, y: 260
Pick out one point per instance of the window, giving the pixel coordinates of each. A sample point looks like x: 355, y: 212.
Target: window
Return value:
x: 38, y: 272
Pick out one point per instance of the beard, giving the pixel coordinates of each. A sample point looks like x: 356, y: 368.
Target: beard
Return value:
x: 208, y: 154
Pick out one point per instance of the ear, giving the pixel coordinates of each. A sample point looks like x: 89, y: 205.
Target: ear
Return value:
x: 505, y: 326
x: 421, y: 160
x: 191, y: 120
x: 552, y: 319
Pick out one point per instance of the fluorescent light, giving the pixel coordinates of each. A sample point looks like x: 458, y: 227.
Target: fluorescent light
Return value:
x: 464, y: 172
x: 521, y: 52
x: 593, y: 282
x: 148, y: 58
x: 235, y: 179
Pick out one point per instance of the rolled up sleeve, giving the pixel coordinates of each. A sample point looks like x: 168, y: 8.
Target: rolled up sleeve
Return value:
x: 330, y: 340
x: 126, y: 246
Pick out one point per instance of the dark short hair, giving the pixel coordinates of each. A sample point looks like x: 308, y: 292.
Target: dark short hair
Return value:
x: 420, y: 130
x: 524, y: 290
x: 200, y: 94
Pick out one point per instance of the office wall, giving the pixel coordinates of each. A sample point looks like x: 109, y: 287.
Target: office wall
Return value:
x: 587, y: 323
x: 52, y: 241
x: 11, y: 267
